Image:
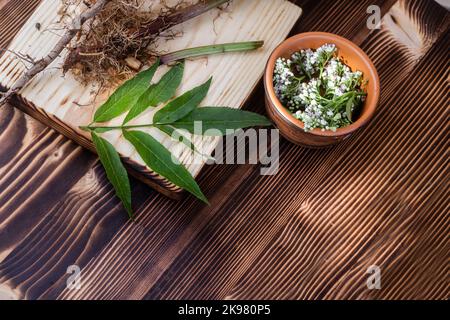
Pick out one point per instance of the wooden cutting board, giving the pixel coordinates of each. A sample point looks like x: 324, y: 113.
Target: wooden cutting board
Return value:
x: 64, y: 104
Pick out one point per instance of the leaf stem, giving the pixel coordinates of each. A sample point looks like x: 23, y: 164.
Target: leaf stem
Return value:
x: 93, y: 128
x: 210, y: 50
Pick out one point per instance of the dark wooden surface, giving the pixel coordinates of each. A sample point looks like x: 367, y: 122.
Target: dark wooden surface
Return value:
x: 311, y: 231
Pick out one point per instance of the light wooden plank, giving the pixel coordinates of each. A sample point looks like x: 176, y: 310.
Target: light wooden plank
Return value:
x: 58, y: 97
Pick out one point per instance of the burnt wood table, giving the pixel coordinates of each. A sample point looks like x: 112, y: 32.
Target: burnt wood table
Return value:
x: 309, y: 232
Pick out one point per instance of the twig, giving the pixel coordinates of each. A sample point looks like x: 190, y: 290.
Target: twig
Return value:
x: 24, y: 57
x: 41, y: 64
x: 163, y: 23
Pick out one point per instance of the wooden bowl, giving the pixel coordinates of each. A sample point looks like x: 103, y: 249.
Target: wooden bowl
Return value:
x: 292, y: 128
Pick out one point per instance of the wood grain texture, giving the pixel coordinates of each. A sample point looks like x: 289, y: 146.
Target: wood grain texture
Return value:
x: 13, y: 15
x: 309, y: 232
x: 64, y: 104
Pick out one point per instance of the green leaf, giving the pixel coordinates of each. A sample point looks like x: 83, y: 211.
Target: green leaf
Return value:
x: 115, y: 170
x: 221, y: 119
x: 349, y: 110
x: 159, y: 159
x: 158, y: 93
x: 170, y: 131
x: 126, y: 95
x: 103, y: 130
x: 183, y: 105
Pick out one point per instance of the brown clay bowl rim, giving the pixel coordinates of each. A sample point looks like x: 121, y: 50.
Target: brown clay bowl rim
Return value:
x: 369, y: 109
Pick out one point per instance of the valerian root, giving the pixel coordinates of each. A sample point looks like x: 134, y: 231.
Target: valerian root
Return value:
x: 43, y: 63
x: 98, y: 52
x: 119, y: 43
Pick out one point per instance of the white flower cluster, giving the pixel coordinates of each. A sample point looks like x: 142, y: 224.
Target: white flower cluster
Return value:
x: 283, y: 77
x: 318, y: 88
x: 340, y: 78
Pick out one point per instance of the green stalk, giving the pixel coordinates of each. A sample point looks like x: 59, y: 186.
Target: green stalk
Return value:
x: 211, y: 49
x: 92, y: 128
